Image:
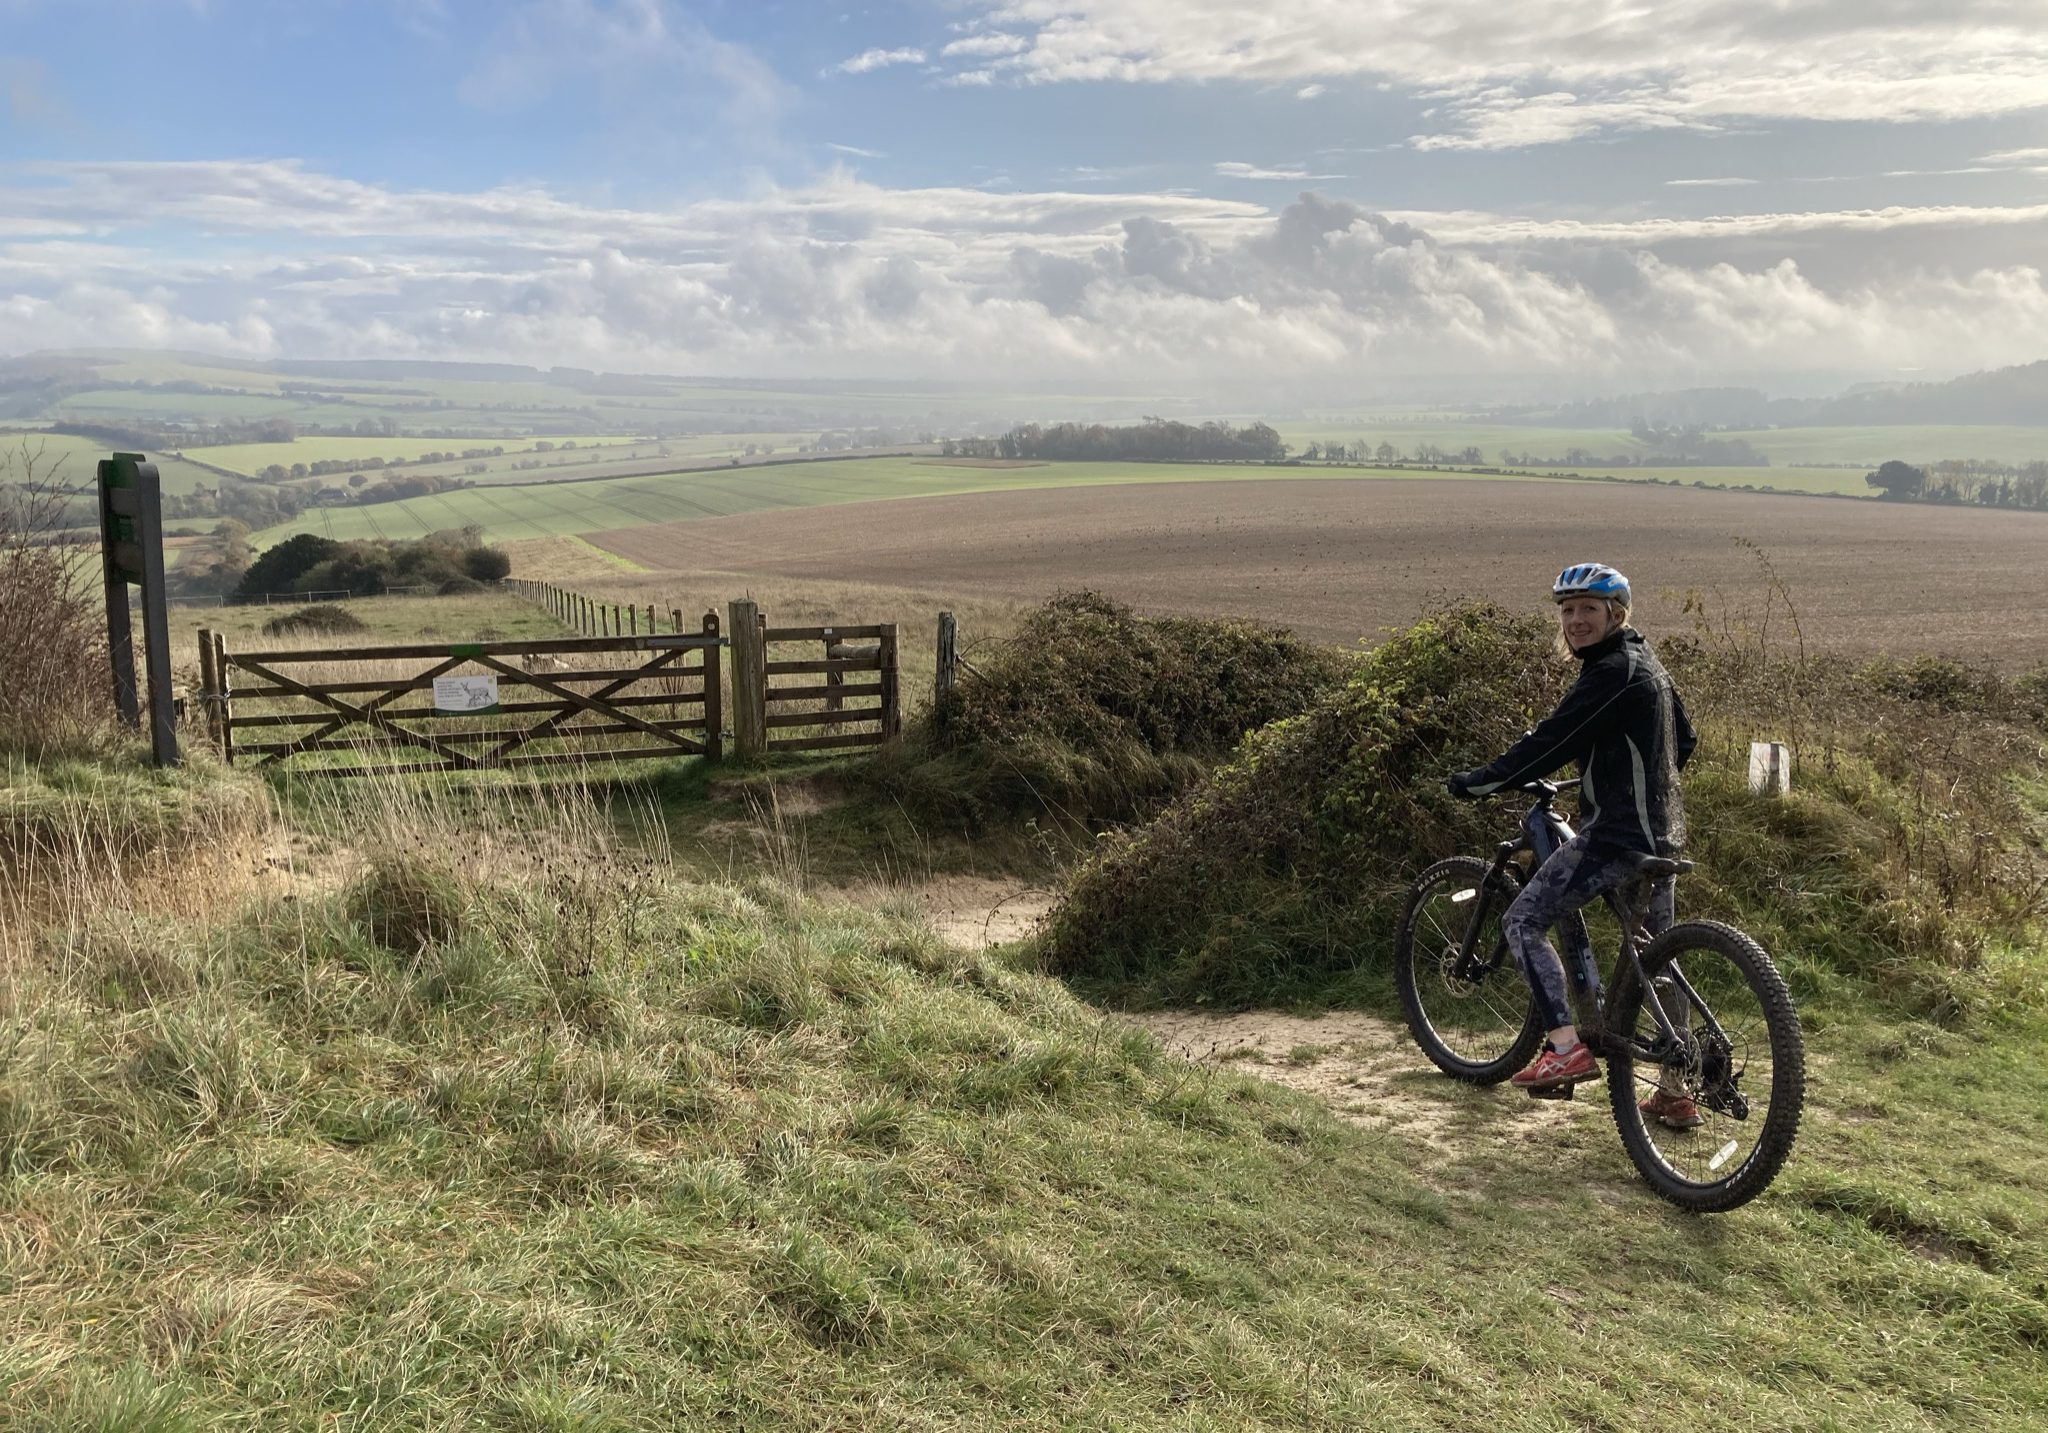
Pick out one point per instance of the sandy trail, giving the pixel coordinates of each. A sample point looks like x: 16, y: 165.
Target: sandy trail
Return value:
x: 1366, y: 1068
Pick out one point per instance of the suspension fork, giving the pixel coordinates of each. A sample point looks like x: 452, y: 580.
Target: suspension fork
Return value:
x: 1492, y: 887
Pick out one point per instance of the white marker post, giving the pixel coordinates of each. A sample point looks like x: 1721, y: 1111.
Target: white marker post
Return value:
x: 1770, y: 768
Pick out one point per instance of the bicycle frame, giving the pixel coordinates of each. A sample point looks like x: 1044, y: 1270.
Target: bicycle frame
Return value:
x: 1543, y: 832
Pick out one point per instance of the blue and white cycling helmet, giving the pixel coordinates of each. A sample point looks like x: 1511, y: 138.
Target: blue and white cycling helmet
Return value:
x: 1590, y: 579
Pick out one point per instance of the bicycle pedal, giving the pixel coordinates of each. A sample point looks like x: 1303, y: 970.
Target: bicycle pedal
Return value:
x: 1555, y: 1092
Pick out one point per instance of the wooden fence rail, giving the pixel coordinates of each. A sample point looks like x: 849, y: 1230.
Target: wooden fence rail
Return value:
x: 662, y: 688
x: 633, y: 683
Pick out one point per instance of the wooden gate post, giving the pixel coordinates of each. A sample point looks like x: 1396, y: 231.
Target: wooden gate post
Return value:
x: 892, y: 714
x: 714, y: 707
x: 224, y: 689
x: 749, y: 679
x: 209, y: 686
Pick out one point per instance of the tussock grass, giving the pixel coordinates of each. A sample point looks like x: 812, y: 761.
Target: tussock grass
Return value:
x: 82, y: 835
x: 320, y: 619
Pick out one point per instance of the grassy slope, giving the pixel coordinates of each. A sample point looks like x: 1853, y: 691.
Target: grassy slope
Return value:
x: 613, y: 1150
x: 74, y: 461
x: 649, y: 1155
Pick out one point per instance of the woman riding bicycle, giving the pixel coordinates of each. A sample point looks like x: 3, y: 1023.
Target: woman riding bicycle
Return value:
x: 1623, y: 723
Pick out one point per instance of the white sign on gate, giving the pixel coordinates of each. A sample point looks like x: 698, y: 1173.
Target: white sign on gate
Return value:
x: 466, y: 694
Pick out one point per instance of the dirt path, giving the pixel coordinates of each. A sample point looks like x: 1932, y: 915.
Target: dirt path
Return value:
x: 1366, y: 1069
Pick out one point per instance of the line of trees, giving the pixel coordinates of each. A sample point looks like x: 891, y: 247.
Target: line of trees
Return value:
x: 1973, y: 481
x: 1155, y: 440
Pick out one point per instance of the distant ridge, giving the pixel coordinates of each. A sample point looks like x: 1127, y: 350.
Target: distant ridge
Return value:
x: 2017, y: 395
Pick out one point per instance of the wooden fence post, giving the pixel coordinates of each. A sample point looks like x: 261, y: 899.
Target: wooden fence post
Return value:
x: 714, y: 706
x: 834, y: 698
x: 892, y: 714
x: 226, y: 704
x: 209, y: 707
x: 749, y: 679
x: 948, y: 667
x: 651, y: 627
x: 633, y: 617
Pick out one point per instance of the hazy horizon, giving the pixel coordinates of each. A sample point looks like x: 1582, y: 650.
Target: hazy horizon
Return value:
x: 1321, y: 199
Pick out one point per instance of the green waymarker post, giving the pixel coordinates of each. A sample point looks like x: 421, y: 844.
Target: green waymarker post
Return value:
x: 132, y: 551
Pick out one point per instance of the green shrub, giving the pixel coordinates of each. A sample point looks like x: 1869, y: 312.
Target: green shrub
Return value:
x: 486, y: 564
x: 1093, y: 713
x: 1288, y: 864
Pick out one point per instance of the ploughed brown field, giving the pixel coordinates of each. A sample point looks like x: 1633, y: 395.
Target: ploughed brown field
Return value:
x: 1338, y: 560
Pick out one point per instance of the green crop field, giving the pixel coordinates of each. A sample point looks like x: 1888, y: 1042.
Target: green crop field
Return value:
x: 74, y: 461
x: 252, y: 458
x: 553, y: 509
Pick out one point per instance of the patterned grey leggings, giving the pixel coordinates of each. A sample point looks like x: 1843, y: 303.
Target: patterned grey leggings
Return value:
x: 1575, y: 875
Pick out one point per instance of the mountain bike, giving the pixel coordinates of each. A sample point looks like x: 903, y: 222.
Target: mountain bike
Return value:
x: 1699, y: 1010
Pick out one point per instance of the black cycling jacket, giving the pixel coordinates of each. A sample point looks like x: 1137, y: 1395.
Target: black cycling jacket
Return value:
x: 1625, y: 726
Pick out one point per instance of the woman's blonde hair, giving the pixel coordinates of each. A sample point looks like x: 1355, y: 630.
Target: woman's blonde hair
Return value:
x: 1616, y: 608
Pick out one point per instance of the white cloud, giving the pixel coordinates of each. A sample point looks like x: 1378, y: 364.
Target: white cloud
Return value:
x: 1309, y: 92
x: 851, y: 279
x: 1728, y: 183
x: 994, y: 43
x: 868, y: 60
x: 2016, y: 156
x: 857, y: 151
x: 1549, y: 71
x: 1234, y: 169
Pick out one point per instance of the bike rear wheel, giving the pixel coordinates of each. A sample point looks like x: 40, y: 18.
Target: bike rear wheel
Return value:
x: 1740, y: 1059
x: 1477, y: 1024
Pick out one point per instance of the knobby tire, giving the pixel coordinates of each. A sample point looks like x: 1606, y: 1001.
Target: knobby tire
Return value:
x: 1419, y: 978
x: 1705, y: 942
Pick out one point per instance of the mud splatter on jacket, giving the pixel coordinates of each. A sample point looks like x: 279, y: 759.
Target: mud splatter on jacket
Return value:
x: 1624, y: 724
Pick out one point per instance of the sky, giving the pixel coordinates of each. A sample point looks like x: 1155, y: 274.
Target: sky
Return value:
x: 1323, y: 198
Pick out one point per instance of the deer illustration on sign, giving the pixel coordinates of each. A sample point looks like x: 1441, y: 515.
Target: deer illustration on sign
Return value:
x: 466, y: 694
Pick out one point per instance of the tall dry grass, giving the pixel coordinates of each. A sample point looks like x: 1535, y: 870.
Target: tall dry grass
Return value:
x: 54, y: 686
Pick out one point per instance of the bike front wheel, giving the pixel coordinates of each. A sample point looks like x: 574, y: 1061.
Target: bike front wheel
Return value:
x: 1473, y: 1015
x: 1737, y: 1056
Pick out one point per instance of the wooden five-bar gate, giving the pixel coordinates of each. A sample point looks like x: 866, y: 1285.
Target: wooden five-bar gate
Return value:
x: 473, y: 706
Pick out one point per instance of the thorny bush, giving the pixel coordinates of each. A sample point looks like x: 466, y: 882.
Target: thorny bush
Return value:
x: 1092, y: 713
